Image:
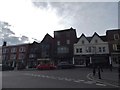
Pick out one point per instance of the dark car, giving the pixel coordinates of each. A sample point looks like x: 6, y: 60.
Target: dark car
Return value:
x: 65, y: 65
x: 6, y: 67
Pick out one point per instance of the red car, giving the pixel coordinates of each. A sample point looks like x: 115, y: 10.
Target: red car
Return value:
x: 46, y: 66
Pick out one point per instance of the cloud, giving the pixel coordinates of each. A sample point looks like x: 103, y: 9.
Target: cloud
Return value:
x: 85, y: 17
x: 7, y: 35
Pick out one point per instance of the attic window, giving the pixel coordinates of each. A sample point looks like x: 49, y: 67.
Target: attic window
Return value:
x: 96, y: 41
x: 83, y: 42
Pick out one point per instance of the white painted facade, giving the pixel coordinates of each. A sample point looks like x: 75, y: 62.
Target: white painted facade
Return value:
x: 91, y: 47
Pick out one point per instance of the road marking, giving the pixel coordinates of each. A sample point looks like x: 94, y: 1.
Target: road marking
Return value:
x: 89, y: 82
x: 81, y: 80
x: 88, y: 76
x: 77, y: 81
x: 68, y: 79
x: 100, y: 84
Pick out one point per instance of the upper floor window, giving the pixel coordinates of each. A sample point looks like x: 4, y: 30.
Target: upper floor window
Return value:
x: 63, y: 50
x: 31, y: 55
x: 13, y: 56
x: 22, y: 49
x: 78, y: 50
x: 58, y: 42
x: 103, y: 49
x: 68, y: 41
x: 100, y: 50
x: 114, y: 47
x: 21, y: 56
x: 5, y: 50
x: 118, y: 47
x: 116, y: 36
x: 13, y: 50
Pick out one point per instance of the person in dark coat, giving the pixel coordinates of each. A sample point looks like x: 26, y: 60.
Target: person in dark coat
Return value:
x: 99, y: 73
x: 94, y: 69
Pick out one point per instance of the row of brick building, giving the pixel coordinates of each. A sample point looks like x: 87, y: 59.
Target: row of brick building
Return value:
x: 65, y: 46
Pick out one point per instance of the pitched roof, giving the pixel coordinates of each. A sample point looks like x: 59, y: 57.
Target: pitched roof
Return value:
x: 103, y: 38
x: 90, y: 38
x: 47, y: 36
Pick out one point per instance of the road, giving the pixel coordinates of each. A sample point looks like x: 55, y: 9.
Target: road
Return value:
x: 66, y: 78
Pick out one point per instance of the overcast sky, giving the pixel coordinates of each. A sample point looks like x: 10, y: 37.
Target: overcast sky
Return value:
x: 32, y: 19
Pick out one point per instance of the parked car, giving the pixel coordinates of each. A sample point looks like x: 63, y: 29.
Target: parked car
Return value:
x: 6, y: 67
x: 65, y: 65
x: 46, y: 66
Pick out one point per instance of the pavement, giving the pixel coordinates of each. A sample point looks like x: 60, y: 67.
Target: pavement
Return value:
x: 107, y: 76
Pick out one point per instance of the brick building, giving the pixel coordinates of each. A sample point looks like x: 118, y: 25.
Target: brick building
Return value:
x: 63, y: 45
x: 113, y: 38
x: 46, y: 49
x: 33, y: 54
x: 15, y: 55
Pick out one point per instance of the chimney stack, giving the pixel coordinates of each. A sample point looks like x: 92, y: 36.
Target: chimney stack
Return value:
x: 4, y: 43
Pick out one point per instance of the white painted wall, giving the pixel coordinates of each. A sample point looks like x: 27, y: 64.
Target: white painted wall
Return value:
x: 91, y: 44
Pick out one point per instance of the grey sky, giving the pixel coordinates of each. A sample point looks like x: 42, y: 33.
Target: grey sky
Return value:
x: 85, y: 17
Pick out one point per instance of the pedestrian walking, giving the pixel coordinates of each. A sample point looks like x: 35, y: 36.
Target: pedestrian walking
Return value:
x: 94, y: 71
x: 101, y: 67
x: 99, y: 73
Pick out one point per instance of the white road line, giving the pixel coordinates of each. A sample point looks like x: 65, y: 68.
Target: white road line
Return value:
x: 68, y: 79
x: 100, y: 81
x: 77, y: 81
x: 100, y: 84
x: 81, y: 80
x: 89, y: 82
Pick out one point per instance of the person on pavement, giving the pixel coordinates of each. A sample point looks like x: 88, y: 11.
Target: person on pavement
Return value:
x: 94, y: 71
x: 99, y: 73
